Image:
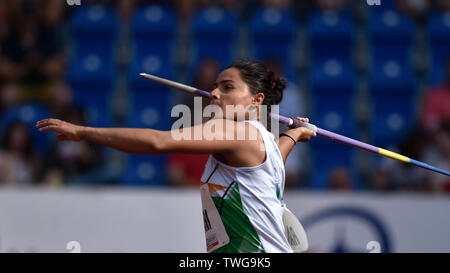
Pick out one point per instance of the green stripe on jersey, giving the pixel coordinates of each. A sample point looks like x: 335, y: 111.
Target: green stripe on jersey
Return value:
x: 243, y: 237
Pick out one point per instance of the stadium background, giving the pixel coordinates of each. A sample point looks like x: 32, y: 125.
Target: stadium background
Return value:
x: 379, y: 74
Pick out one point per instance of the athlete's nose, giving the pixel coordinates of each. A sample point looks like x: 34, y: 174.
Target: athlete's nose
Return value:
x: 215, y: 94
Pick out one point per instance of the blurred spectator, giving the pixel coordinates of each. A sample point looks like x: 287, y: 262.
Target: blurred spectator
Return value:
x: 51, y: 38
x: 10, y: 96
x: 68, y: 160
x: 443, y: 5
x: 18, y: 162
x: 60, y: 99
x: 4, y: 10
x: 227, y: 4
x: 394, y: 175
x: 331, y: 5
x: 438, y: 154
x: 278, y: 4
x: 380, y: 181
x: 32, y: 45
x: 340, y: 180
x: 293, y: 105
x: 206, y: 75
x: 407, y: 176
x: 414, y: 8
x: 185, y: 10
x: 436, y: 105
x: 187, y: 169
x: 125, y: 9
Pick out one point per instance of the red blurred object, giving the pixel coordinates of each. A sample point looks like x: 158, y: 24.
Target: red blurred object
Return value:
x: 186, y: 169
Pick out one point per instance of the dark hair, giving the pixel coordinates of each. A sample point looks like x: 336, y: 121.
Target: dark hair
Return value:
x: 260, y: 80
x: 28, y: 148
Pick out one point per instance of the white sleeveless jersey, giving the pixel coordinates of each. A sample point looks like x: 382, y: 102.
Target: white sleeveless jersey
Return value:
x: 249, y: 201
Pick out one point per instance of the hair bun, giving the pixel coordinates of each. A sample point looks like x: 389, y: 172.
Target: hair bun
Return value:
x: 278, y: 86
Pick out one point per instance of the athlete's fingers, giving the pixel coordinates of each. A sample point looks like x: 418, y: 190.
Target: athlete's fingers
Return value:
x: 47, y: 122
x: 50, y: 121
x: 49, y: 128
x: 303, y: 119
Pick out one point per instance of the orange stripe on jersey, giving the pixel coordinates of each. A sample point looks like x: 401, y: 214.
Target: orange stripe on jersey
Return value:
x: 213, y: 187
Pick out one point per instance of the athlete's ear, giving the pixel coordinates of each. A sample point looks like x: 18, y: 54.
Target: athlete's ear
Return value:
x: 258, y: 99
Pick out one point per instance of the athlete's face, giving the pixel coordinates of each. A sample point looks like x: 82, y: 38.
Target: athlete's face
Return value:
x: 230, y: 89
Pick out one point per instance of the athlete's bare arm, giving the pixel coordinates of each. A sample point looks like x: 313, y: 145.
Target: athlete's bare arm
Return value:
x: 301, y: 134
x: 233, y: 151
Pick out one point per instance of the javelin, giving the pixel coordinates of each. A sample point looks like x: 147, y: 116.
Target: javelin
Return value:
x: 294, y: 123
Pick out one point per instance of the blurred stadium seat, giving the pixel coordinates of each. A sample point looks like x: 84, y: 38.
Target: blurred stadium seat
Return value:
x: 214, y: 35
x: 145, y: 171
x: 91, y: 78
x: 391, y: 36
x: 94, y: 22
x: 332, y: 96
x: 154, y: 23
x: 393, y: 91
x: 272, y: 34
x: 153, y: 38
x: 150, y: 109
x: 438, y: 34
x: 325, y: 159
x: 153, y: 32
x: 151, y: 64
x: 333, y: 90
x: 92, y: 69
x: 332, y: 35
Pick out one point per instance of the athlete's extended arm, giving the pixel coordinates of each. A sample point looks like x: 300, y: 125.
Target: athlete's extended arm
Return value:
x: 152, y: 142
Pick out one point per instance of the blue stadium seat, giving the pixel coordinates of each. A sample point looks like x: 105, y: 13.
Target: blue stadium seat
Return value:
x: 389, y: 77
x: 334, y: 113
x: 94, y: 41
x: 91, y: 75
x: 328, y: 155
x: 332, y: 96
x: 91, y: 71
x: 272, y: 34
x: 96, y: 105
x: 151, y: 64
x: 214, y: 35
x: 29, y: 114
x: 150, y: 109
x: 332, y: 77
x: 437, y: 73
x: 153, y: 33
x: 438, y: 31
x: 391, y: 123
x: 165, y: 50
x: 390, y: 27
x: 145, y: 170
x: 96, y: 22
x: 331, y: 35
x: 391, y: 36
x: 393, y: 93
x: 154, y: 23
